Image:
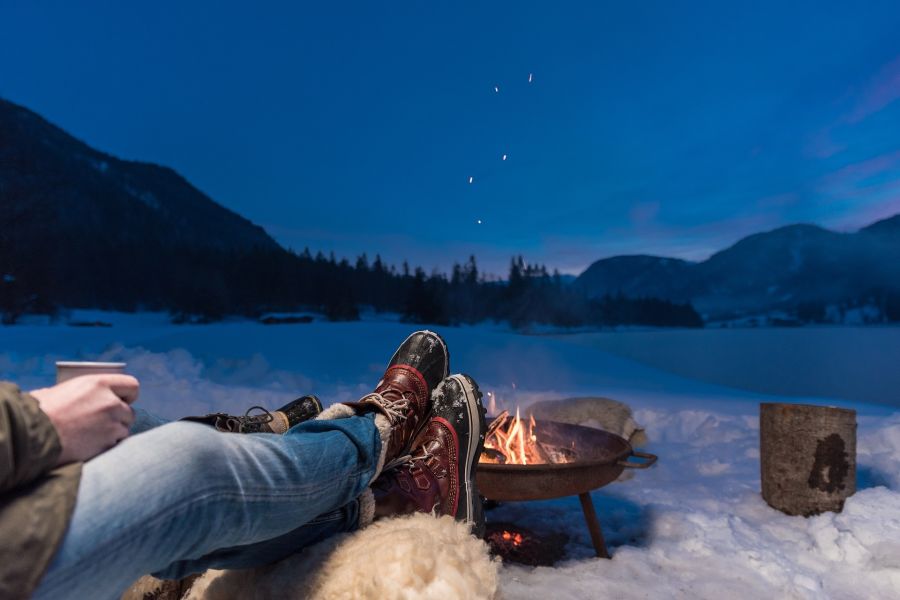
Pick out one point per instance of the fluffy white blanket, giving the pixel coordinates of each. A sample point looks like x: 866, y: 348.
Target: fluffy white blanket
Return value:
x: 414, y: 557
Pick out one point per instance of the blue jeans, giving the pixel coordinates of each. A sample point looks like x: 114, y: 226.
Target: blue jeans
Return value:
x: 179, y: 498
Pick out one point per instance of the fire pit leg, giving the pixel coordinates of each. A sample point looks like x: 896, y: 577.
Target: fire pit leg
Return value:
x: 590, y: 515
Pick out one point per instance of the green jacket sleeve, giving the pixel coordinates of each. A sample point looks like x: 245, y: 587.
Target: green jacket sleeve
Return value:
x: 29, y: 444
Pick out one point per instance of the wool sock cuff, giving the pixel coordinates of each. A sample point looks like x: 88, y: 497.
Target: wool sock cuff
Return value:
x: 336, y: 411
x: 384, y: 430
x: 366, y: 508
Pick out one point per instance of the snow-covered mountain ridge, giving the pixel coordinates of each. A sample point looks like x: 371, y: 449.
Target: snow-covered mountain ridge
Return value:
x: 797, y: 267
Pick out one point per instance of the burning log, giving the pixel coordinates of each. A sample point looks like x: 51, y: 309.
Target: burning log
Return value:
x: 510, y: 441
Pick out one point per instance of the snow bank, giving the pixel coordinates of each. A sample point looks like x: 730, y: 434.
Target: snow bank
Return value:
x: 697, y: 527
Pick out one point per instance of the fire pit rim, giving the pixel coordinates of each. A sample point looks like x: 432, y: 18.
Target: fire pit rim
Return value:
x: 576, y: 464
x: 538, y: 481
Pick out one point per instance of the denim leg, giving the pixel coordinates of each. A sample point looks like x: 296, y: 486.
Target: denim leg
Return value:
x: 181, y: 491
x: 342, y: 520
x: 145, y: 421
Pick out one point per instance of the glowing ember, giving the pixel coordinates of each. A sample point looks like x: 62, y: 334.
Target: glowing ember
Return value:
x: 514, y: 543
x: 513, y: 441
x: 515, y: 538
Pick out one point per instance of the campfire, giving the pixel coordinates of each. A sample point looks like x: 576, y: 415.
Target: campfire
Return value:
x: 543, y: 459
x: 512, y: 441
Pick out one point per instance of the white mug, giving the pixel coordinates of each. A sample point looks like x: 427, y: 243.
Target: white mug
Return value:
x: 69, y: 369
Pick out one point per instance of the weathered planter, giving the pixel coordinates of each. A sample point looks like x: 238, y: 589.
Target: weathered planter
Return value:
x: 807, y: 457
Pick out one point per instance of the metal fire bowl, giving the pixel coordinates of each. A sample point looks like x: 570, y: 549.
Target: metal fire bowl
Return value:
x: 601, y: 458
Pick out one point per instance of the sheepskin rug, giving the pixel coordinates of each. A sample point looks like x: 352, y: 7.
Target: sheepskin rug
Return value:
x: 414, y: 557
x: 601, y: 413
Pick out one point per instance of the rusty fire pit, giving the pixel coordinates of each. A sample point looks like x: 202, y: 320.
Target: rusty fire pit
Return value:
x: 596, y: 458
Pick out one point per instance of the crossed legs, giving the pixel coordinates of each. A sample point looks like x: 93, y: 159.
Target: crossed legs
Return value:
x: 182, y: 497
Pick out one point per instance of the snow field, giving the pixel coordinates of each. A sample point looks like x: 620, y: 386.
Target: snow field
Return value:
x: 694, y: 526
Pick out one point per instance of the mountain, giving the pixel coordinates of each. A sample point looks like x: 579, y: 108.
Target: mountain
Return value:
x: 889, y: 226
x: 73, y: 219
x: 636, y: 276
x: 76, y: 190
x: 784, y: 269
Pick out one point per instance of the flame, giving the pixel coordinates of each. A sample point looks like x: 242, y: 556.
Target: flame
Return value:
x: 512, y: 440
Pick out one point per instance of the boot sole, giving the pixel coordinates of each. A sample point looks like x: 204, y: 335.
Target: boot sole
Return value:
x: 475, y: 445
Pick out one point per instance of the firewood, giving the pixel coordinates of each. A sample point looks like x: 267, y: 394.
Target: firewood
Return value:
x: 497, y: 423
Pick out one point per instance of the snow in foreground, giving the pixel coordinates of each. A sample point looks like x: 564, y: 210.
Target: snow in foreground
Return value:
x: 694, y: 526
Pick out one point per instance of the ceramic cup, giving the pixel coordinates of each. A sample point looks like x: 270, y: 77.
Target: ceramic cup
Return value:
x: 69, y: 369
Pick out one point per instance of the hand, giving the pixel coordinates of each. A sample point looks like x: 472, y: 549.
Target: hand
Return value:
x: 91, y: 413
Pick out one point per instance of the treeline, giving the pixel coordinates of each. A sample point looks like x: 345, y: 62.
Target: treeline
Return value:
x: 873, y: 306
x: 197, y: 285
x: 531, y: 295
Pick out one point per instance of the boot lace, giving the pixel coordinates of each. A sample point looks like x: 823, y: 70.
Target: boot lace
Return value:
x: 239, y: 424
x: 396, y: 410
x: 408, y: 459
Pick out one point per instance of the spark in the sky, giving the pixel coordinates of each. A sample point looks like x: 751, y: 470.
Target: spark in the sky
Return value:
x: 478, y: 221
x: 504, y: 157
x: 530, y: 77
x: 471, y: 179
x: 496, y: 88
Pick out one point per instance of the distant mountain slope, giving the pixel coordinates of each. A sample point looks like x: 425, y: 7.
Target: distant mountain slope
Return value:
x: 635, y: 276
x: 779, y: 269
x: 79, y: 227
x: 53, y: 184
x: 889, y: 226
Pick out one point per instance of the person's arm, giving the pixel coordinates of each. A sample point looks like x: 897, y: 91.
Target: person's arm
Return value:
x: 29, y: 444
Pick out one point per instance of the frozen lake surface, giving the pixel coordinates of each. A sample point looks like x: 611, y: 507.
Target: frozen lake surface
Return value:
x: 852, y: 363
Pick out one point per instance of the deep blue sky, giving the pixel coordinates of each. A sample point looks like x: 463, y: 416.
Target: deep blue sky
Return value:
x: 667, y: 128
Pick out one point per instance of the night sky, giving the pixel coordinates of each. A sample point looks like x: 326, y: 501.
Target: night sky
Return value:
x: 647, y: 128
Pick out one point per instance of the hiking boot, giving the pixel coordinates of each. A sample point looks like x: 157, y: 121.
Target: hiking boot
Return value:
x: 292, y: 413
x: 439, y: 474
x: 404, y: 393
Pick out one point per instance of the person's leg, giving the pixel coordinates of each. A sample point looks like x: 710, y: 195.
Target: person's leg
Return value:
x: 438, y: 476
x: 342, y: 520
x: 183, y: 490
x: 145, y: 421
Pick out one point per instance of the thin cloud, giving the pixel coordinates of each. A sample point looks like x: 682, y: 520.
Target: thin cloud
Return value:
x: 855, y: 174
x: 822, y: 145
x: 882, y: 90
